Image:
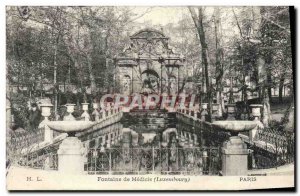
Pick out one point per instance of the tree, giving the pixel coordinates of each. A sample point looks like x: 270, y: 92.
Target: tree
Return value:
x: 198, y: 21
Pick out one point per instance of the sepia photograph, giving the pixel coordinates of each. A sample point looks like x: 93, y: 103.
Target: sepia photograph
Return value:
x: 148, y: 98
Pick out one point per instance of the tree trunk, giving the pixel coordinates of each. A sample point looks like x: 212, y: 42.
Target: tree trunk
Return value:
x: 54, y: 76
x: 264, y: 92
x: 198, y: 21
x: 281, y: 83
x: 91, y: 76
x: 269, y: 79
x: 219, y: 67
x: 289, y: 116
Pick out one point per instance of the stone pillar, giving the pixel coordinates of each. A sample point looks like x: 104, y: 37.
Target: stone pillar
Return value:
x: 126, y: 132
x: 196, y: 143
x: 70, y: 156
x: 134, y: 138
x: 46, y: 112
x: 116, y: 137
x: 234, y: 157
x: 109, y: 110
x: 190, y: 140
x: 204, y: 158
x: 112, y: 138
x: 256, y: 113
x: 230, y: 111
x: 85, y: 114
x: 95, y: 113
x: 103, y: 114
x: 108, y: 142
x: 204, y: 112
x: 215, y: 111
x: 182, y: 141
x: 195, y: 114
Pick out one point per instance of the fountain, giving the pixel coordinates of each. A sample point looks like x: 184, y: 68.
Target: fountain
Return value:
x: 71, y: 150
x: 234, y: 150
x: 234, y: 126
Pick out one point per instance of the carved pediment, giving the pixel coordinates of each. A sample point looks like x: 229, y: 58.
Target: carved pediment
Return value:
x: 148, y: 43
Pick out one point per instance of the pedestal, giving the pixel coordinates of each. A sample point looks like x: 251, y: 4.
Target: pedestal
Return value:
x: 256, y: 113
x: 48, y: 137
x: 85, y: 113
x: 234, y: 157
x: 70, y: 156
x: 256, y: 110
x: 95, y: 113
x: 46, y: 112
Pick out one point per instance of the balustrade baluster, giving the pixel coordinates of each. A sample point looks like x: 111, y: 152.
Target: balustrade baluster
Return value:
x: 153, y: 160
x: 110, y: 161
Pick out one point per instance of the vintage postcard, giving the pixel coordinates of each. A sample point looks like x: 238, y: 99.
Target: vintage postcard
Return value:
x: 188, y: 98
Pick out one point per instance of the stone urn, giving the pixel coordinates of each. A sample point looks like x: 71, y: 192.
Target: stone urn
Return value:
x: 70, y: 110
x: 71, y: 151
x: 46, y: 109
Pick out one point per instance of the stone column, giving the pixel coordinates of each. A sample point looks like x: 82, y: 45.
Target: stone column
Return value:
x: 103, y: 114
x: 116, y: 137
x: 112, y: 138
x: 215, y: 110
x: 190, y: 140
x: 256, y: 113
x: 46, y: 112
x: 234, y: 157
x: 230, y: 111
x: 204, y: 158
x: 108, y: 142
x: 196, y: 143
x: 95, y: 113
x: 85, y: 114
x: 195, y: 113
x: 109, y: 110
x: 204, y: 111
x: 70, y: 156
x: 126, y: 132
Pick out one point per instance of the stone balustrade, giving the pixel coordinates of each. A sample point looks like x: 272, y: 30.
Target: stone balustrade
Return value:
x: 233, y: 149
